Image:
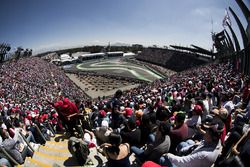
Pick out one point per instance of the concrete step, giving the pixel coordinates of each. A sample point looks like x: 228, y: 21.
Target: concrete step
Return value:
x: 31, y: 162
x: 55, y: 153
x: 54, y: 150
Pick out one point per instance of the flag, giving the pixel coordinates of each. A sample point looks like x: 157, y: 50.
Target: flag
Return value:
x: 226, y: 19
x: 220, y: 36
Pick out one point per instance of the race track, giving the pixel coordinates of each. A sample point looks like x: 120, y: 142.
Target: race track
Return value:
x: 117, y: 66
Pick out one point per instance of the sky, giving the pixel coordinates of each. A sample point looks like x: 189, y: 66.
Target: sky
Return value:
x: 53, y: 24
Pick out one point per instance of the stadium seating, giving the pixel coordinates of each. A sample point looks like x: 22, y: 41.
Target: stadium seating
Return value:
x: 30, y: 88
x: 170, y: 59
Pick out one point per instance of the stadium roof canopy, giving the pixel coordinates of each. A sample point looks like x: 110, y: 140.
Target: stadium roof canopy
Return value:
x: 117, y: 52
x: 93, y: 54
x: 196, y: 49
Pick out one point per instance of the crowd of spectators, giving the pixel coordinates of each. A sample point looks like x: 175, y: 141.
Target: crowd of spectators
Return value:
x: 190, y: 119
x: 181, y: 61
x: 170, y: 59
x: 35, y: 78
x: 157, y: 56
x: 25, y: 87
x: 198, y: 117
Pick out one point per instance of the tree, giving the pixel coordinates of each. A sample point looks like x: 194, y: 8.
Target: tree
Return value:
x: 18, y: 52
x: 25, y: 53
x: 30, y: 53
x: 4, y: 48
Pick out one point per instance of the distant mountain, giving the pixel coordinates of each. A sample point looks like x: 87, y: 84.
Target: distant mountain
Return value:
x: 119, y: 44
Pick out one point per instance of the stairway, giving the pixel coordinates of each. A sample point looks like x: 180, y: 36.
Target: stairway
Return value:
x: 55, y: 153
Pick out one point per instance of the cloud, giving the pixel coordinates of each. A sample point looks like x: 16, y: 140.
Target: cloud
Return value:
x: 51, y: 45
x: 201, y: 12
x: 96, y: 42
x: 208, y: 12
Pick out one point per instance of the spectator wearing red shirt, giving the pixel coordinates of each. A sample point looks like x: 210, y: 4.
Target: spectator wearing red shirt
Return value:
x: 180, y: 131
x: 128, y: 112
x: 67, y: 112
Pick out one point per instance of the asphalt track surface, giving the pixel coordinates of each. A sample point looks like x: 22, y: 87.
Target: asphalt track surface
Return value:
x: 119, y: 67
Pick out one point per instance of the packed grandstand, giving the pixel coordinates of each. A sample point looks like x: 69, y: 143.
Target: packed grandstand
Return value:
x: 156, y: 107
x: 32, y: 91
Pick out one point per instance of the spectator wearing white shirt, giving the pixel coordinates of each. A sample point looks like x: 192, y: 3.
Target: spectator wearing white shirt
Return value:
x: 204, y: 154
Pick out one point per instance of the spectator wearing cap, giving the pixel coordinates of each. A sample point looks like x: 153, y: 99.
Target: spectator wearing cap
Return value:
x: 220, y: 115
x: 156, y: 149
x: 102, y: 116
x: 205, y: 153
x: 127, y: 112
